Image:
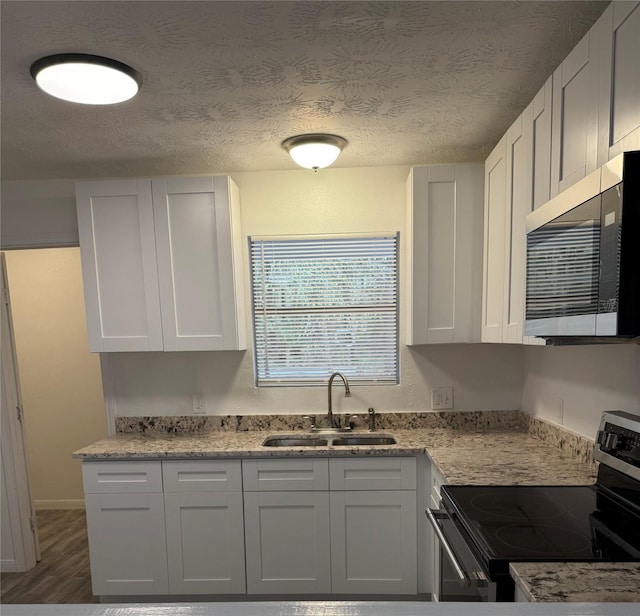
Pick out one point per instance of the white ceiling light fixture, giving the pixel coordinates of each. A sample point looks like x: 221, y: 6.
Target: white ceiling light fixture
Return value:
x: 314, y: 150
x: 87, y: 79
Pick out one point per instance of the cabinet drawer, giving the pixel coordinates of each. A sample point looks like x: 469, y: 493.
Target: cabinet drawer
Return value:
x: 202, y: 476
x: 291, y: 474
x: 121, y: 477
x: 373, y: 473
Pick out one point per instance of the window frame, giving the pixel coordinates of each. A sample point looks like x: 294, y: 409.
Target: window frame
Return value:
x: 317, y: 381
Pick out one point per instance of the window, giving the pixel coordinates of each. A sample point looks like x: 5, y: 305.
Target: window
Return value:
x: 322, y: 305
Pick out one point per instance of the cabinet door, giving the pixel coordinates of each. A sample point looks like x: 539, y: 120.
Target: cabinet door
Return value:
x: 617, y: 35
x: 445, y: 246
x: 199, y: 263
x: 540, y: 118
x: 205, y: 542
x: 575, y: 118
x: 127, y: 544
x: 518, y: 205
x: 435, y: 554
x: 495, y: 234
x: 287, y: 542
x: 118, y: 252
x: 373, y: 542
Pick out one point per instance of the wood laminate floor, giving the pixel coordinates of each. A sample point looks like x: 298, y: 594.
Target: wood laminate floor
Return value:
x: 63, y: 575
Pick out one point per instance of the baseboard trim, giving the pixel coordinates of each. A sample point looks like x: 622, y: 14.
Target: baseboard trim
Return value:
x: 40, y: 505
x: 8, y: 566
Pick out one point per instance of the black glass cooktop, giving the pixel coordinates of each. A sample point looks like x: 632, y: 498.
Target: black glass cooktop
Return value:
x: 544, y: 523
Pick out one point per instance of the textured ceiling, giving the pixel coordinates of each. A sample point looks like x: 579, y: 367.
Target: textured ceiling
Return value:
x: 226, y: 82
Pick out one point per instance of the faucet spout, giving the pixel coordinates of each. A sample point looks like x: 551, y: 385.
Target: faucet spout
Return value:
x: 347, y: 394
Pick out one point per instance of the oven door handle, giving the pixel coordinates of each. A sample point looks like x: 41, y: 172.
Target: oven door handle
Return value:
x: 433, y: 517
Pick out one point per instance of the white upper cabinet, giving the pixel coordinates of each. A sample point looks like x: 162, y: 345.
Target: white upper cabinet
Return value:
x: 539, y: 115
x: 162, y: 264
x: 575, y: 116
x: 119, y: 269
x: 495, y: 238
x: 617, y: 34
x: 444, y: 253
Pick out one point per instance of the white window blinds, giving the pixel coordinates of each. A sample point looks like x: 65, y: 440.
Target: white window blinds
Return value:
x: 325, y: 305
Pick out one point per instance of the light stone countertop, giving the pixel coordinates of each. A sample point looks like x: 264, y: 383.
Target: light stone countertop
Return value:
x: 578, y: 582
x: 494, y: 456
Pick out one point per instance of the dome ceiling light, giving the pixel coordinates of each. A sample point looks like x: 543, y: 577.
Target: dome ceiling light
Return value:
x: 314, y: 150
x: 86, y: 79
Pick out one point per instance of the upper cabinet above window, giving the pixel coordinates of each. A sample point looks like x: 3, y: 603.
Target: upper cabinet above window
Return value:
x: 162, y: 264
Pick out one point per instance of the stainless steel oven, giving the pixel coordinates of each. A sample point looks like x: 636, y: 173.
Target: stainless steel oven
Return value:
x: 462, y: 577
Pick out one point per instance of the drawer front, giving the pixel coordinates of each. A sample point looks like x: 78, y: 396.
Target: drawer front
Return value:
x: 373, y: 473
x: 119, y: 477
x: 202, y: 476
x: 290, y: 474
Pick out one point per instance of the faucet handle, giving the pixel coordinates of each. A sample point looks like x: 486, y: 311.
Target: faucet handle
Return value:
x: 372, y: 420
x: 350, y: 421
x: 312, y: 419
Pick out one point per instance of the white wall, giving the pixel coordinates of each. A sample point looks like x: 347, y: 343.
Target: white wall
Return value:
x: 572, y: 386
x: 60, y: 380
x: 38, y: 213
x: 303, y: 202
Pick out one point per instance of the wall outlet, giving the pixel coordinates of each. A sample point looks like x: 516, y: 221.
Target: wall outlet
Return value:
x: 198, y: 404
x: 442, y: 398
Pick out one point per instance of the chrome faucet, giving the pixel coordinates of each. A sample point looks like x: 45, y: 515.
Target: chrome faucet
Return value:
x: 347, y: 394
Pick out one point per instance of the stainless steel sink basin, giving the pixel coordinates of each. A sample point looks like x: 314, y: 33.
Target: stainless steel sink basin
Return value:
x: 295, y: 440
x: 364, y: 439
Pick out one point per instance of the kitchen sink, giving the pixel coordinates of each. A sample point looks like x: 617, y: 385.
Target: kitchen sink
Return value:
x: 363, y: 439
x: 294, y: 440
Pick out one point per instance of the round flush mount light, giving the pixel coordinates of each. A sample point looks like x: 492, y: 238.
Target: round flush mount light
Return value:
x: 314, y: 150
x: 87, y: 79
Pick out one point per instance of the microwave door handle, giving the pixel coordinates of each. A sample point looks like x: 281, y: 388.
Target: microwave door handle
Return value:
x: 432, y: 517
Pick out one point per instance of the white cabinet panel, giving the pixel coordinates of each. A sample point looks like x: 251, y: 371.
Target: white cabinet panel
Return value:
x: 193, y: 220
x: 372, y: 473
x: 127, y: 544
x: 119, y: 477
x: 373, y: 542
x: 162, y: 264
x: 618, y: 37
x: 287, y: 542
x: 495, y: 234
x: 289, y: 474
x: 205, y: 542
x: 518, y: 205
x: 541, y: 146
x: 202, y: 475
x: 575, y: 117
x: 444, y: 214
x: 118, y: 250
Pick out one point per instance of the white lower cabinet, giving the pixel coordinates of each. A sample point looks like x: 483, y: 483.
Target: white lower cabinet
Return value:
x: 351, y: 531
x: 373, y: 542
x: 125, y: 524
x: 287, y: 542
x: 263, y: 526
x: 204, y: 526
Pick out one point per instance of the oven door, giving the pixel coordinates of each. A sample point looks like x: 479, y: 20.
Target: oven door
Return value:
x: 462, y: 578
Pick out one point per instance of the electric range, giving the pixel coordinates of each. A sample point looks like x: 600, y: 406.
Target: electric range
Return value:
x: 482, y: 529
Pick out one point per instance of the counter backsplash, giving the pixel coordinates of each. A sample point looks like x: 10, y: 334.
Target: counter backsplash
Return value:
x: 575, y: 445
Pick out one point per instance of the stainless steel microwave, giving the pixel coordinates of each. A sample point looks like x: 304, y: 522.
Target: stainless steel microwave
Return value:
x: 583, y: 258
